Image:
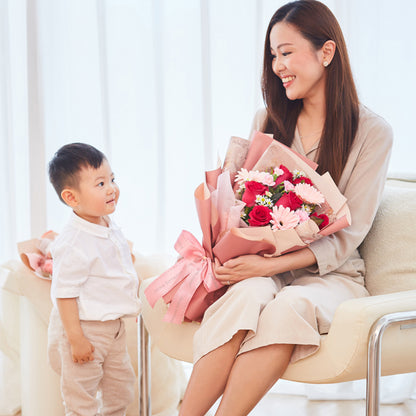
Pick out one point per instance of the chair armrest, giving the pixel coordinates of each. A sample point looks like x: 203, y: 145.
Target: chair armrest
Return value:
x: 151, y: 265
x: 343, y: 352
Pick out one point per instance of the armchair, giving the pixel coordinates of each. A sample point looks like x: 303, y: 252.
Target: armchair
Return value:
x: 353, y: 348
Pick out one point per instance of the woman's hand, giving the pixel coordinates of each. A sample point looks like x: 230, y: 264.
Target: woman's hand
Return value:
x: 243, y: 267
x: 253, y: 265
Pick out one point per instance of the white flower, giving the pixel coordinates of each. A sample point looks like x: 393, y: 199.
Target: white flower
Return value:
x: 307, y: 208
x: 242, y: 176
x: 264, y: 200
x: 298, y: 173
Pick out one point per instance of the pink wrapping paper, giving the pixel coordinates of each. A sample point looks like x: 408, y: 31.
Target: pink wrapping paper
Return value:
x: 189, y: 286
x: 35, y: 255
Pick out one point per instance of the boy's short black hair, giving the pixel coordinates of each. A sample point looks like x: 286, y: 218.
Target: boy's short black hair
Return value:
x: 68, y: 161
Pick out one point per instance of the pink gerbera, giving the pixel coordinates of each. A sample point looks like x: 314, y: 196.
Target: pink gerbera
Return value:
x: 283, y: 218
x: 309, y: 194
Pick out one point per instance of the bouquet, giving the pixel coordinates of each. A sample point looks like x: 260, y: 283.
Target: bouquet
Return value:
x: 280, y: 198
x: 267, y: 200
x: 35, y: 254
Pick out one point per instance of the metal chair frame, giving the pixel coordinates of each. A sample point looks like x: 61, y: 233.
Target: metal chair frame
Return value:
x: 374, y: 355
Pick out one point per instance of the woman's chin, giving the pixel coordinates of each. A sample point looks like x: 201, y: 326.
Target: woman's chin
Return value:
x: 292, y: 96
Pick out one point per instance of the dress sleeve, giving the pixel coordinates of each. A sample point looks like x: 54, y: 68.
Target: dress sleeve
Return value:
x: 70, y: 271
x: 362, y: 183
x: 258, y: 121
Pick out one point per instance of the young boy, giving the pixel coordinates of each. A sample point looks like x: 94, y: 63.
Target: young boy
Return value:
x: 94, y: 284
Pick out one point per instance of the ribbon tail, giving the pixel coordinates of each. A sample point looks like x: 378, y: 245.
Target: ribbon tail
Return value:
x: 182, y: 298
x: 166, y: 281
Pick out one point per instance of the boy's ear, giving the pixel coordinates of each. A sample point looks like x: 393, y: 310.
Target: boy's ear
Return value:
x: 70, y: 197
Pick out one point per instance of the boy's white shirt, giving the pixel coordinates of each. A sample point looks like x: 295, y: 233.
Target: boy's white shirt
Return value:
x: 93, y: 264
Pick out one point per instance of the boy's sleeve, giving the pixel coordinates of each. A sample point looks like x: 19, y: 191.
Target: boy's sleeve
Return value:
x: 70, y: 271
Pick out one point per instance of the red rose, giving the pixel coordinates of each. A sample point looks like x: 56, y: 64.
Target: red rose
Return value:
x: 321, y: 220
x: 285, y: 176
x: 253, y: 189
x: 302, y: 179
x: 259, y: 215
x: 290, y: 200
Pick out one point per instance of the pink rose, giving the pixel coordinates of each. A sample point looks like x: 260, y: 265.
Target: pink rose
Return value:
x: 290, y: 200
x: 259, y: 215
x: 253, y: 189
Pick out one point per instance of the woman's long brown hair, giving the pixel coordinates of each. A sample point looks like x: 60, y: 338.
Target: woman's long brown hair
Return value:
x: 317, y: 24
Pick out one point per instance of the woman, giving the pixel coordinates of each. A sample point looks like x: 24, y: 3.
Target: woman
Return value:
x: 249, y: 336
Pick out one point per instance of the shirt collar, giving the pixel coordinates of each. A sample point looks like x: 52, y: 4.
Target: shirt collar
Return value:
x: 91, y: 228
x: 298, y: 146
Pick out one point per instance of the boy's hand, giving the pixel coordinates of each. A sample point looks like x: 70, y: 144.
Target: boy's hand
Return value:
x: 82, y: 350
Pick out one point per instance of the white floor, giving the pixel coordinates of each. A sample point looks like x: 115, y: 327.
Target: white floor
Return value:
x: 279, y: 404
x: 275, y: 404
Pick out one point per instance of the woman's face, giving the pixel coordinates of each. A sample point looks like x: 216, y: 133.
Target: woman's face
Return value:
x: 297, y: 63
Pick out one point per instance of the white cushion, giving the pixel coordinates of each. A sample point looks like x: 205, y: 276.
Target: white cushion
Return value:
x: 389, y: 250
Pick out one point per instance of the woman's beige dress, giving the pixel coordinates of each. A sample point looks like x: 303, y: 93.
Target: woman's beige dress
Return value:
x: 296, y: 307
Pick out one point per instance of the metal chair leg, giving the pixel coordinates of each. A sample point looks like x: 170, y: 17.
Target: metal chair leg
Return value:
x: 144, y: 369
x: 374, y: 357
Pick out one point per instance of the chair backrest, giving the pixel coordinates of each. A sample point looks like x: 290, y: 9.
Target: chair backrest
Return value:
x: 389, y: 250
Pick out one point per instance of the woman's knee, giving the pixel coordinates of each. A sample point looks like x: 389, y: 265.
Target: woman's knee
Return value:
x: 254, y: 289
x: 292, y: 297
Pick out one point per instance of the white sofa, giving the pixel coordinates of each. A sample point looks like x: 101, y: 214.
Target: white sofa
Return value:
x: 26, y: 304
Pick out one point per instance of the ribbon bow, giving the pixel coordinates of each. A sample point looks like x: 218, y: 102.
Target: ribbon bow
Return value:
x: 183, y: 278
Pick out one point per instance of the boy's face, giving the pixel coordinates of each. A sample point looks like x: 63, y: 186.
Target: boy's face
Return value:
x: 97, y: 193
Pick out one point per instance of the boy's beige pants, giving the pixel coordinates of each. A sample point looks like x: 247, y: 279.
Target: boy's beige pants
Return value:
x: 110, y: 372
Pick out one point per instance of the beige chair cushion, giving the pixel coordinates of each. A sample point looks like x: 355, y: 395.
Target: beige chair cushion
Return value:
x: 389, y: 250
x: 343, y: 352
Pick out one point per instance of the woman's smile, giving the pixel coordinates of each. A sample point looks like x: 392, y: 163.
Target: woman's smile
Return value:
x: 287, y: 80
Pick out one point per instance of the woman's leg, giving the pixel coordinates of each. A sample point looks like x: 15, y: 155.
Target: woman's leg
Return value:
x: 252, y: 376
x: 209, y: 377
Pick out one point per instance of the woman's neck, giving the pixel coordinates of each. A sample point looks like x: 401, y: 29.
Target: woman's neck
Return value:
x: 314, y: 109
x: 311, y: 122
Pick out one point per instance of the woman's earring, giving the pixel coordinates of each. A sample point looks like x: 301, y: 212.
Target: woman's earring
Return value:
x: 326, y: 63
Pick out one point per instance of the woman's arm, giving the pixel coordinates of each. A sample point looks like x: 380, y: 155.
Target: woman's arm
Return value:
x: 82, y: 350
x: 254, y: 265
